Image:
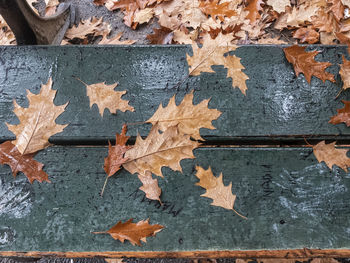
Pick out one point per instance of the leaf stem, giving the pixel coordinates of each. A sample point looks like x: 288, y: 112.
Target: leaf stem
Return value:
x: 239, y: 214
x: 338, y: 94
x: 104, y: 186
x: 103, y: 232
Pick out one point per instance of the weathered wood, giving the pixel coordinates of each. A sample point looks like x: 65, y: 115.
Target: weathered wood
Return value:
x: 277, y: 103
x: 291, y: 202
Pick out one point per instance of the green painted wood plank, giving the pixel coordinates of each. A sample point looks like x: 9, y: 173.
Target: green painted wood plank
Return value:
x: 277, y: 103
x: 291, y: 201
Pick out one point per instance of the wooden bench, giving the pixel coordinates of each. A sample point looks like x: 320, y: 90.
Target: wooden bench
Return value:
x: 296, y: 207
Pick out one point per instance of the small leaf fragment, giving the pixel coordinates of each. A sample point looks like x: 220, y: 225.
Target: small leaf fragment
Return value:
x: 161, y: 36
x: 331, y: 156
x: 305, y: 63
x: 343, y: 115
x: 133, y: 232
x: 18, y: 162
x: 150, y: 186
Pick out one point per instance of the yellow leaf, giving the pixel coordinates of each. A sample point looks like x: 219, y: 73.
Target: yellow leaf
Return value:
x: 37, y: 122
x: 105, y: 97
x: 331, y: 156
x: 222, y: 195
x: 188, y: 117
x: 158, y: 150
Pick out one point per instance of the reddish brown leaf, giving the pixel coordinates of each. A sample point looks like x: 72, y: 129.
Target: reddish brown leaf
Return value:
x: 337, y: 8
x: 344, y: 73
x: 132, y: 232
x: 230, y: 29
x: 216, y: 10
x: 343, y: 115
x: 305, y: 63
x: 115, y: 157
x: 307, y: 34
x: 99, y: 2
x: 254, y: 7
x: 18, y: 162
x: 161, y: 36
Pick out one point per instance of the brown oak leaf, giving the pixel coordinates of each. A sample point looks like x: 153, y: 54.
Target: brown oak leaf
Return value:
x: 344, y: 73
x: 115, y: 158
x: 331, y: 156
x: 115, y: 40
x: 222, y: 195
x: 37, y: 122
x: 305, y: 63
x: 189, y: 118
x: 87, y: 27
x: 105, y: 97
x: 234, y: 71
x: 18, y: 162
x: 150, y: 186
x: 279, y: 6
x: 158, y: 150
x: 254, y: 7
x: 135, y: 233
x: 161, y: 36
x: 307, y: 34
x: 215, y: 10
x: 343, y: 115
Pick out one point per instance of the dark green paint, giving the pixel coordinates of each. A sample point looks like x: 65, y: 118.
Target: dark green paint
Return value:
x: 291, y: 201
x: 277, y: 103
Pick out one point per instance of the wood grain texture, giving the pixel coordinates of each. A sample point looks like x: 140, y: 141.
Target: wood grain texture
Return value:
x: 291, y: 202
x: 277, y: 102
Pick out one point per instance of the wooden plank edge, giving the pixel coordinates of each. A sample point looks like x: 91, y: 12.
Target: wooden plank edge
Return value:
x: 292, y: 254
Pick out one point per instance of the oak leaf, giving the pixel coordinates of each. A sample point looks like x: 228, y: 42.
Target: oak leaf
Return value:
x: 115, y: 40
x: 234, y: 71
x: 18, y: 162
x: 115, y: 158
x: 344, y: 73
x: 215, y: 189
x: 331, y: 156
x: 187, y: 117
x: 304, y: 62
x: 324, y: 260
x: 307, y: 34
x: 143, y: 16
x: 279, y: 6
x: 150, y: 186
x: 254, y: 7
x: 37, y: 122
x: 84, y: 28
x: 161, y: 36
x: 133, y: 232
x: 158, y: 150
x: 343, y: 115
x: 215, y: 10
x: 105, y: 97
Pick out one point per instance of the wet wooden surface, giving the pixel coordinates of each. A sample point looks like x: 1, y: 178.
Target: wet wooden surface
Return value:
x: 291, y: 200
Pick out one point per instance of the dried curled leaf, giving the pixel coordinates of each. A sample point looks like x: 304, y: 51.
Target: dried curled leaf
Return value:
x: 115, y: 40
x: 188, y: 117
x: 216, y: 10
x: 18, y: 162
x: 254, y: 7
x: 150, y: 186
x: 105, y: 97
x: 307, y: 34
x: 344, y: 73
x: 331, y: 156
x: 37, y: 122
x: 343, y: 115
x: 279, y: 6
x: 84, y: 28
x: 158, y: 150
x: 115, y: 158
x: 133, y: 232
x: 222, y: 195
x: 161, y: 36
x: 305, y: 63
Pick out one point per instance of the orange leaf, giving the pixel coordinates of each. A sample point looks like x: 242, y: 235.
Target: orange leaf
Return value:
x: 254, y: 7
x: 132, y: 232
x: 18, y: 162
x: 115, y: 158
x: 216, y: 10
x: 161, y: 36
x: 305, y: 63
x: 331, y: 156
x: 343, y: 115
x: 307, y: 34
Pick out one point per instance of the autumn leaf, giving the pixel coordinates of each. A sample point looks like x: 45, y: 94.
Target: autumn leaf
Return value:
x: 18, y: 162
x: 133, y: 232
x: 84, y: 28
x: 234, y: 71
x: 331, y: 156
x: 222, y: 195
x: 324, y: 260
x: 215, y: 10
x: 37, y: 122
x: 150, y: 186
x: 51, y: 6
x: 105, y: 97
x: 343, y: 115
x: 158, y: 150
x: 254, y: 7
x: 344, y: 73
x: 307, y: 34
x: 115, y: 158
x: 143, y: 16
x: 305, y: 63
x: 279, y: 6
x: 115, y: 40
x: 189, y: 118
x: 161, y: 36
